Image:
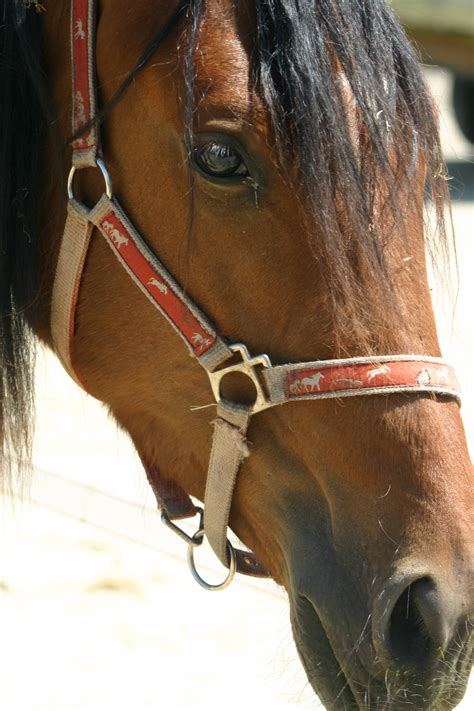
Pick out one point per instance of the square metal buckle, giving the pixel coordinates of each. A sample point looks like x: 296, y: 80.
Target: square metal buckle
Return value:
x: 248, y: 366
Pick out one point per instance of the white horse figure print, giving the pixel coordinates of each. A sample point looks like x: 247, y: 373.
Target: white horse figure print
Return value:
x: 424, y: 377
x: 80, y: 111
x: 374, y: 372
x: 312, y: 383
x: 200, y: 341
x: 159, y: 285
x: 116, y: 236
x: 295, y: 387
x: 79, y: 30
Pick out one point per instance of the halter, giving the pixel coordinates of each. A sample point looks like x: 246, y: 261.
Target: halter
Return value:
x: 274, y: 385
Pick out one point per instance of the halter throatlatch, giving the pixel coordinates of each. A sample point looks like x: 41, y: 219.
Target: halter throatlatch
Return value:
x: 274, y: 385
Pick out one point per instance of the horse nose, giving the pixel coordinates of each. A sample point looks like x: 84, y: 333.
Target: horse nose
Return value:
x: 415, y: 620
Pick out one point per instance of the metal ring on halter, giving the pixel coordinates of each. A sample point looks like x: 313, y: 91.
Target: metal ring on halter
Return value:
x: 108, y: 183
x: 196, y: 541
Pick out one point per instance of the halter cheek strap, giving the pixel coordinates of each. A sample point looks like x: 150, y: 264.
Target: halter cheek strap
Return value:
x: 86, y: 147
x: 275, y: 385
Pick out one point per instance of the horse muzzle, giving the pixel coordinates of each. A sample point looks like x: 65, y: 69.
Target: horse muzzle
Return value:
x: 412, y: 646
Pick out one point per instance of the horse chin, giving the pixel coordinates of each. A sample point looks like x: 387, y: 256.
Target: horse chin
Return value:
x: 355, y: 689
x: 319, y: 661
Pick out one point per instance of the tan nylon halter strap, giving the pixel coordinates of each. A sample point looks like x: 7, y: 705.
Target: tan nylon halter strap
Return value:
x: 132, y: 253
x: 86, y: 147
x: 351, y: 377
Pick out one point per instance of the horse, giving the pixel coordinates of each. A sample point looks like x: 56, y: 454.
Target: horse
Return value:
x: 276, y: 155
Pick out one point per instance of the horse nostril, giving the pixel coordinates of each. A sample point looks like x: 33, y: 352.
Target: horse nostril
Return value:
x: 420, y: 625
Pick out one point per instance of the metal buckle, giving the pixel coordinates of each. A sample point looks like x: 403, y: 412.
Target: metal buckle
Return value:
x: 247, y: 367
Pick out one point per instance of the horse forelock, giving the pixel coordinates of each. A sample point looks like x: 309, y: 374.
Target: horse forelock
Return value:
x: 339, y: 90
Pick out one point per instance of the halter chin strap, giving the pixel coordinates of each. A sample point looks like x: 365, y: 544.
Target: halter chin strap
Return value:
x: 274, y: 385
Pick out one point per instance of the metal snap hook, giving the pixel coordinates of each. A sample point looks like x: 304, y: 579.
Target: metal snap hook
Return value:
x: 179, y: 531
x: 196, y: 541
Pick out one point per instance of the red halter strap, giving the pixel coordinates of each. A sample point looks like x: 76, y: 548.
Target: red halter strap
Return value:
x: 350, y: 377
x: 83, y: 23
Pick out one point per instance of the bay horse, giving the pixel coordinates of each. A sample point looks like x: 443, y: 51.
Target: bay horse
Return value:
x: 276, y: 156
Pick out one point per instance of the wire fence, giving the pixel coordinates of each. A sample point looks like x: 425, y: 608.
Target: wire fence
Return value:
x: 127, y: 520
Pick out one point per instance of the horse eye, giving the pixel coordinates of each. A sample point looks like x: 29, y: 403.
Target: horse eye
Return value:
x: 220, y: 160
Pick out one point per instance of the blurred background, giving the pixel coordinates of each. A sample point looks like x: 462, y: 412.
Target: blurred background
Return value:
x: 443, y: 32
x: 97, y: 608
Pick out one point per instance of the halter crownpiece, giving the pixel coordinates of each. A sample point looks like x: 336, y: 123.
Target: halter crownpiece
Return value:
x: 274, y: 385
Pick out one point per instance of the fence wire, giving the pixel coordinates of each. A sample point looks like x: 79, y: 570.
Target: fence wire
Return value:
x: 89, y: 505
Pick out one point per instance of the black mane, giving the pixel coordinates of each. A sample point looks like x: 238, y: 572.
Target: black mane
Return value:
x: 298, y: 46
x: 23, y: 117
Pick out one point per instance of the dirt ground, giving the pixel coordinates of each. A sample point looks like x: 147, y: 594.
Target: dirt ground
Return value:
x: 104, y: 615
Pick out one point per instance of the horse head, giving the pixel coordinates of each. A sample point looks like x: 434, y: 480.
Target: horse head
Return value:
x: 275, y: 156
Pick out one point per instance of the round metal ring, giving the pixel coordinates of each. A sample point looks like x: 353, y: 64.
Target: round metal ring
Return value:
x: 196, y: 541
x: 108, y: 183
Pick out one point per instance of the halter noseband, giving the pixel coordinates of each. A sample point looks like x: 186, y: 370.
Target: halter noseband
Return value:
x: 350, y: 377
